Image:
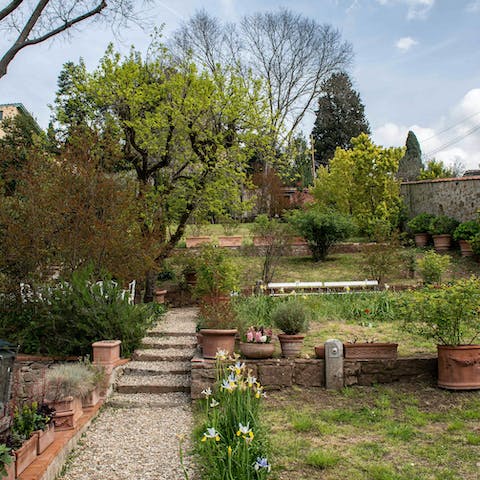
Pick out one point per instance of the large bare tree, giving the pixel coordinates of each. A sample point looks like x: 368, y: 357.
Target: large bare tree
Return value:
x: 29, y: 22
x: 290, y: 53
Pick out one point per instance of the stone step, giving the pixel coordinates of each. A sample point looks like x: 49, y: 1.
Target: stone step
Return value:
x: 168, y: 342
x: 138, y: 400
x: 153, y: 384
x: 162, y: 334
x: 156, y: 368
x: 167, y: 355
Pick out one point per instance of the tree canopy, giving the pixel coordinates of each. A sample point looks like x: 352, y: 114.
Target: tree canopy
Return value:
x: 340, y: 116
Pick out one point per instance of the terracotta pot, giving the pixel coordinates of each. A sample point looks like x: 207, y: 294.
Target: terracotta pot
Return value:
x: 199, y: 340
x: 26, y: 454
x: 45, y: 438
x: 459, y: 367
x: 160, y: 296
x: 370, y: 351
x: 421, y: 239
x: 291, y: 344
x: 465, y: 248
x: 214, y: 340
x: 91, y: 399
x: 235, y: 241
x: 67, y: 413
x: 260, y: 241
x: 196, y: 241
x: 257, y: 350
x: 320, y: 351
x: 442, y: 243
x: 10, y: 471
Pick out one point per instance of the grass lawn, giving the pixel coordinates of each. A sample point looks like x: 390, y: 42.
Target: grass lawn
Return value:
x: 398, y: 432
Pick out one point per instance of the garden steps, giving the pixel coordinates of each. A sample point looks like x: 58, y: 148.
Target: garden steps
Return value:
x: 156, y: 368
x: 163, y: 343
x: 165, y: 383
x: 152, y: 400
x: 167, y: 354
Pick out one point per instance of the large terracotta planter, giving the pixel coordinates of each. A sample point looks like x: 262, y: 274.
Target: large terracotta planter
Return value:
x: 442, y: 243
x: 320, y: 351
x: 257, y: 350
x: 370, y: 351
x: 25, y: 455
x: 45, y: 438
x: 234, y: 241
x: 421, y: 239
x: 215, y: 340
x: 465, y: 248
x: 459, y: 367
x: 196, y: 241
x: 92, y: 398
x: 291, y: 344
x: 67, y: 413
x: 10, y: 471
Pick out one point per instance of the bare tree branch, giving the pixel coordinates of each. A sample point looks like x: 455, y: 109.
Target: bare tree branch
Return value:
x: 9, y: 9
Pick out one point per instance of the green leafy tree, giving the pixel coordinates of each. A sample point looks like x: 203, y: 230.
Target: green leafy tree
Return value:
x: 186, y: 135
x: 436, y: 169
x: 361, y: 182
x: 340, y: 116
x: 410, y: 165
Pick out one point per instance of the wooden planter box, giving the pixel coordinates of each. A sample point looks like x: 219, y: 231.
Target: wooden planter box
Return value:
x: 45, y: 438
x: 92, y: 398
x: 67, y: 413
x: 370, y: 351
x: 26, y: 454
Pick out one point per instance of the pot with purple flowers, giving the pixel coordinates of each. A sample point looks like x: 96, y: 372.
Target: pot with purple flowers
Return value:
x: 257, y: 343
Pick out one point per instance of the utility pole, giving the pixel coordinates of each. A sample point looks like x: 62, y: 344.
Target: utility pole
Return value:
x: 313, y: 157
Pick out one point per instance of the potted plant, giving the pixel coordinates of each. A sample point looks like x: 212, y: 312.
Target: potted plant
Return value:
x: 7, y: 464
x: 441, y: 228
x: 44, y: 427
x: 419, y: 226
x: 218, y: 328
x: 97, y: 381
x: 464, y: 233
x: 257, y: 343
x: 370, y: 350
x: 449, y: 315
x: 291, y: 317
x: 66, y: 385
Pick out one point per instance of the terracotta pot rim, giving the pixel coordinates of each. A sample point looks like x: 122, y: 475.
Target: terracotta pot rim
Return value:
x: 441, y: 235
x: 379, y: 344
x: 473, y: 346
x: 256, y: 343
x: 292, y: 337
x: 218, y: 331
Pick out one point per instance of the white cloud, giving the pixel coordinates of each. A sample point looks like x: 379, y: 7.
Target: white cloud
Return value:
x: 454, y: 138
x: 473, y: 7
x: 417, y: 9
x: 405, y: 43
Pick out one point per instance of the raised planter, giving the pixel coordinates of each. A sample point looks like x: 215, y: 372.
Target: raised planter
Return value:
x: 291, y: 344
x: 442, y: 243
x: 421, y: 239
x: 465, y: 248
x: 234, y: 241
x: 459, y: 367
x: 67, y: 413
x: 25, y: 455
x: 215, y: 340
x: 92, y: 398
x: 106, y: 353
x: 45, y: 438
x: 370, y: 351
x: 257, y: 350
x: 196, y: 241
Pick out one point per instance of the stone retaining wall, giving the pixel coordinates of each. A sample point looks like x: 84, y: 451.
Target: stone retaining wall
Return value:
x: 281, y: 373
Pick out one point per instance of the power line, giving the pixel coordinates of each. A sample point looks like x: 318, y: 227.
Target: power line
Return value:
x: 453, y: 141
x: 450, y: 127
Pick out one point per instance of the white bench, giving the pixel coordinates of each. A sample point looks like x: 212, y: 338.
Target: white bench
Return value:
x: 310, y: 288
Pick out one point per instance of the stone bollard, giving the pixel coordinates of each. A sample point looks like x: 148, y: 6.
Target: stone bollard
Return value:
x: 333, y: 364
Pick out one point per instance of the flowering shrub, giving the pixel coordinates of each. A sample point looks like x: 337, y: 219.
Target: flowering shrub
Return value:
x: 258, y: 335
x: 232, y: 443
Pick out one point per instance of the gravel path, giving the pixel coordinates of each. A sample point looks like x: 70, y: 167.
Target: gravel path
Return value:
x: 138, y: 441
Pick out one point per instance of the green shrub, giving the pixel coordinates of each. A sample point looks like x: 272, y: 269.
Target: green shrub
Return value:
x: 291, y: 317
x: 321, y: 229
x: 420, y: 223
x: 253, y: 310
x: 6, y: 458
x: 432, y: 266
x: 68, y: 379
x: 442, y: 225
x: 475, y: 243
x: 71, y: 316
x: 467, y: 230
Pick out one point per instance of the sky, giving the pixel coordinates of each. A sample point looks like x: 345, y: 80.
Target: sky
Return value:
x: 416, y: 64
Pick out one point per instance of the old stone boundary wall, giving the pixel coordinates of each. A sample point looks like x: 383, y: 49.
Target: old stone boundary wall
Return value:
x: 280, y: 373
x: 455, y: 197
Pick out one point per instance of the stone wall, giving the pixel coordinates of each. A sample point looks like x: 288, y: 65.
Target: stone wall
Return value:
x: 280, y: 373
x: 456, y: 197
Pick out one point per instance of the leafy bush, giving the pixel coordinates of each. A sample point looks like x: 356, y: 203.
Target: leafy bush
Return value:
x: 467, y: 230
x: 448, y: 314
x: 420, y: 223
x: 69, y: 317
x: 432, y: 266
x: 216, y: 314
x: 6, y: 459
x: 475, y: 243
x: 321, y: 229
x: 442, y: 225
x: 381, y: 258
x: 253, y: 310
x: 291, y: 317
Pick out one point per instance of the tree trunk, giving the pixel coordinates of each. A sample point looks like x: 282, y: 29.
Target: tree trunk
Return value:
x: 150, y: 282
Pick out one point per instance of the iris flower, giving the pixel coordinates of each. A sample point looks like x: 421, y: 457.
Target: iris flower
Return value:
x: 211, y: 433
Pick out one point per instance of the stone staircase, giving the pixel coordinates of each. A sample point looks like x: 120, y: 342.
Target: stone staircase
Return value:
x: 159, y: 374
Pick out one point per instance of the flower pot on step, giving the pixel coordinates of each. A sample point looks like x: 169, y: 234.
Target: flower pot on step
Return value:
x: 45, y: 438
x: 291, y: 344
x: 442, y: 243
x: 160, y: 296
x: 216, y: 339
x: 67, y: 413
x: 106, y: 353
x: 370, y: 351
x: 459, y: 367
x: 257, y: 350
x: 26, y: 454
